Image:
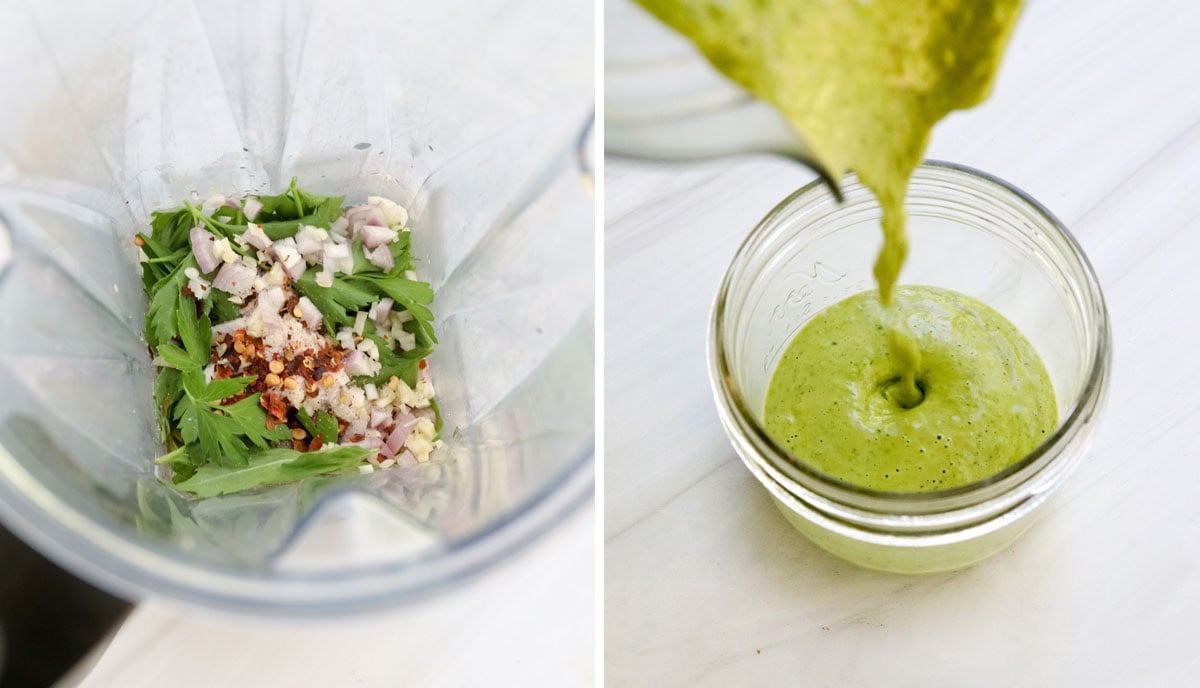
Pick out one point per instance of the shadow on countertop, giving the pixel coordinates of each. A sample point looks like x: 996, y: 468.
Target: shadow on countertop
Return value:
x: 49, y: 619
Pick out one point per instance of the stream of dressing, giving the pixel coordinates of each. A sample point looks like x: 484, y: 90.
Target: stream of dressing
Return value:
x: 863, y: 82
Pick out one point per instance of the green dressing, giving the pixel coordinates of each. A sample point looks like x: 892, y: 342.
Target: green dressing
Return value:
x: 987, y: 402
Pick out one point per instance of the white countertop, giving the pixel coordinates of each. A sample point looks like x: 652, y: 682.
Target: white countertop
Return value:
x: 528, y: 621
x: 1097, y: 114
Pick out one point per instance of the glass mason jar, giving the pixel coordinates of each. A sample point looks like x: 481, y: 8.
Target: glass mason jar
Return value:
x: 969, y: 232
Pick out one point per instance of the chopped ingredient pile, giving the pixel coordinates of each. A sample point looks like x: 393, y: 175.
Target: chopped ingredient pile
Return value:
x: 291, y: 336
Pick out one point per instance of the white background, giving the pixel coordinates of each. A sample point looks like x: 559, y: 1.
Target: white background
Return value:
x: 528, y: 622
x: 1096, y: 114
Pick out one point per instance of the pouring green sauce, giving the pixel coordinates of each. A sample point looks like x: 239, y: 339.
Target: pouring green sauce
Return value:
x: 863, y: 83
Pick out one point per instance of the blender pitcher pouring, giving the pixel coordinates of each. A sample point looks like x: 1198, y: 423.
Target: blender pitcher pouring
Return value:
x: 663, y: 101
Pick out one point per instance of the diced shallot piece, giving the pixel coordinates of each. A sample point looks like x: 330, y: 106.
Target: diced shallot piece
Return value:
x: 236, y: 278
x: 356, y: 363
x: 202, y: 248
x: 405, y: 419
x: 368, y: 442
x: 364, y: 215
x: 373, y: 236
x: 271, y: 300
x: 382, y: 258
x: 325, y: 277
x: 406, y: 458
x: 337, y: 257
x: 340, y: 228
x: 252, y: 207
x: 382, y: 310
x: 256, y: 236
x: 196, y: 283
x: 309, y: 313
x: 309, y: 242
x: 212, y: 203
x: 356, y: 429
x: 285, y: 252
x: 396, y: 440
x: 379, y: 416
x: 393, y: 213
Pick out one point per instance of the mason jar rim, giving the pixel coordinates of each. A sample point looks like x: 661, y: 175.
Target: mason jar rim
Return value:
x: 791, y: 472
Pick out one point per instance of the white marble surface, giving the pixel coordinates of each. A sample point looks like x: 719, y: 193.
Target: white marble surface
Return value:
x: 529, y: 621
x: 1097, y: 114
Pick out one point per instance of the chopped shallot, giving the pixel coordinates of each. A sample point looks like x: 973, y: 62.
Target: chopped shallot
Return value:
x: 382, y: 310
x: 236, y: 278
x: 373, y: 236
x: 256, y: 237
x: 382, y: 258
x: 396, y: 440
x: 356, y: 364
x: 202, y: 247
x: 252, y: 208
x: 309, y: 313
x: 288, y: 255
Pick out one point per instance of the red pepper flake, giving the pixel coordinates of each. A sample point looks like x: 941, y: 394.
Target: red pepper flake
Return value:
x: 422, y: 364
x: 275, y: 405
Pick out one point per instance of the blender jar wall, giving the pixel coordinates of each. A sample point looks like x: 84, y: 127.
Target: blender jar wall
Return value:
x: 133, y: 107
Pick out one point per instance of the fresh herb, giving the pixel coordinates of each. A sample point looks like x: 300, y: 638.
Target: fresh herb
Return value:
x: 327, y: 427
x: 216, y: 433
x: 166, y: 299
x: 351, y: 293
x: 224, y: 435
x: 272, y: 467
x: 220, y: 308
x: 338, y: 302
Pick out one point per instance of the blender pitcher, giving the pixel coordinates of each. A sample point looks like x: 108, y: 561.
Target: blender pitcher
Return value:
x: 663, y: 101
x: 471, y: 114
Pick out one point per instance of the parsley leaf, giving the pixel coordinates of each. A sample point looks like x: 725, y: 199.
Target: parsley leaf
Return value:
x: 327, y: 426
x: 170, y: 229
x: 175, y: 357
x: 335, y: 302
x: 295, y: 204
x: 220, y: 308
x: 223, y: 389
x: 253, y: 420
x: 196, y: 334
x: 402, y: 253
x: 214, y: 435
x: 306, y: 422
x: 230, y: 215
x: 272, y: 467
x: 168, y: 387
x: 159, y: 262
x: 165, y: 302
x: 221, y: 433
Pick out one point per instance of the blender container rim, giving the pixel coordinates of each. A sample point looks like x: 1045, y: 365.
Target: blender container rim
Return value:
x: 934, y: 501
